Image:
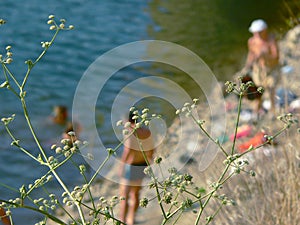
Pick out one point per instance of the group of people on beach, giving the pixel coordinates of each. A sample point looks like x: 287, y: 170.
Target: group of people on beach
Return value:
x: 262, y: 65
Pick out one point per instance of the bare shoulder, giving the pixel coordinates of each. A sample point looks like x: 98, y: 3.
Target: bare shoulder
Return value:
x: 251, y: 41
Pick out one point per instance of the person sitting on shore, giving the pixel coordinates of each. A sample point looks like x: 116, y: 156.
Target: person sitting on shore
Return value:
x: 134, y: 161
x: 263, y: 61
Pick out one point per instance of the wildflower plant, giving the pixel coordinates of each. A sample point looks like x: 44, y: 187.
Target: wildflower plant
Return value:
x: 60, y: 154
x: 176, y: 193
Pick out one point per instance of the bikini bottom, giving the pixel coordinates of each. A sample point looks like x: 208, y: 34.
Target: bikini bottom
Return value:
x: 135, y: 172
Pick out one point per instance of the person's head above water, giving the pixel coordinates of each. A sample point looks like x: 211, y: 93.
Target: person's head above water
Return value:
x: 60, y: 114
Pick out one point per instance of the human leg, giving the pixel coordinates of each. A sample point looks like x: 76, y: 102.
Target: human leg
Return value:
x: 124, y: 193
x: 134, y: 203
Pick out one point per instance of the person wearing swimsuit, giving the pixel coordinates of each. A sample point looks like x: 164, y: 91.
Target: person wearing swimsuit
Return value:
x: 138, y: 152
x: 263, y: 61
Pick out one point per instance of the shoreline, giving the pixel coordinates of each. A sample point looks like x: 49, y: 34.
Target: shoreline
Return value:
x: 289, y: 54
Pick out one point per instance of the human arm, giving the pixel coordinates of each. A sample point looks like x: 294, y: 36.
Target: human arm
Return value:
x: 124, y: 157
x: 251, y: 57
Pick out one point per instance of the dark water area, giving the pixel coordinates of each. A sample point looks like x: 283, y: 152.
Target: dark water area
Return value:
x: 215, y: 30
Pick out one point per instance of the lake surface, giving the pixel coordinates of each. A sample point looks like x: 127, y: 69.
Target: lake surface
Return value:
x: 215, y: 30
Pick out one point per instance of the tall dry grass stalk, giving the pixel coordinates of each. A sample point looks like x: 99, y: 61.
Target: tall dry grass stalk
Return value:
x: 272, y: 196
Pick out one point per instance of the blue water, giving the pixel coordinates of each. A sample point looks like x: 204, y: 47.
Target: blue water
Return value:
x: 100, y: 25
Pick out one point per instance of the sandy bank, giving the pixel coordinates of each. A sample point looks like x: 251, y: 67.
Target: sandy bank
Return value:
x: 290, y: 56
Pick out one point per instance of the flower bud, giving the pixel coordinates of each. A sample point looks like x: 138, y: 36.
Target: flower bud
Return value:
x: 8, y: 60
x: 82, y: 168
x: 119, y: 123
x: 9, y: 54
x: 58, y: 150
x: 127, y: 124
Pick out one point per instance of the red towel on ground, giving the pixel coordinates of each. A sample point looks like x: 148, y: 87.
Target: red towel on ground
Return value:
x: 257, y: 140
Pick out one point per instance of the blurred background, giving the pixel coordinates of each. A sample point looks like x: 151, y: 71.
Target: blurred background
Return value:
x: 216, y: 30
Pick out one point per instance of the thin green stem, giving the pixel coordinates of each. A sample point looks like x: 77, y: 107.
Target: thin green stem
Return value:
x: 21, y: 148
x: 53, y: 218
x: 100, y: 212
x: 13, y: 91
x: 265, y: 143
x: 60, y: 205
x: 180, y: 214
x: 9, y: 187
x: 175, y: 199
x: 89, y: 191
x: 237, y: 122
x: 49, y: 172
x: 45, y: 157
x: 190, y: 193
x: 210, y: 196
x: 69, y: 194
x: 99, y: 169
x: 7, y: 71
x: 41, y: 148
x: 153, y: 177
x: 209, y: 136
x: 31, y: 65
x: 215, y: 213
x: 23, y: 102
x: 37, y: 141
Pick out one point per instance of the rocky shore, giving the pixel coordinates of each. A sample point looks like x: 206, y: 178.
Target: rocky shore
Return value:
x: 290, y: 56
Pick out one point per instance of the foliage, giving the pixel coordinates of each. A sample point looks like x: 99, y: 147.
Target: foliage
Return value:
x: 175, y: 194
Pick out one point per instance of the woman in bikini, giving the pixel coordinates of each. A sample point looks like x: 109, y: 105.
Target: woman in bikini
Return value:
x: 137, y: 154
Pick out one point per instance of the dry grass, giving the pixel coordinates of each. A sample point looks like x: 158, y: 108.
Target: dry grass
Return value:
x: 271, y: 197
